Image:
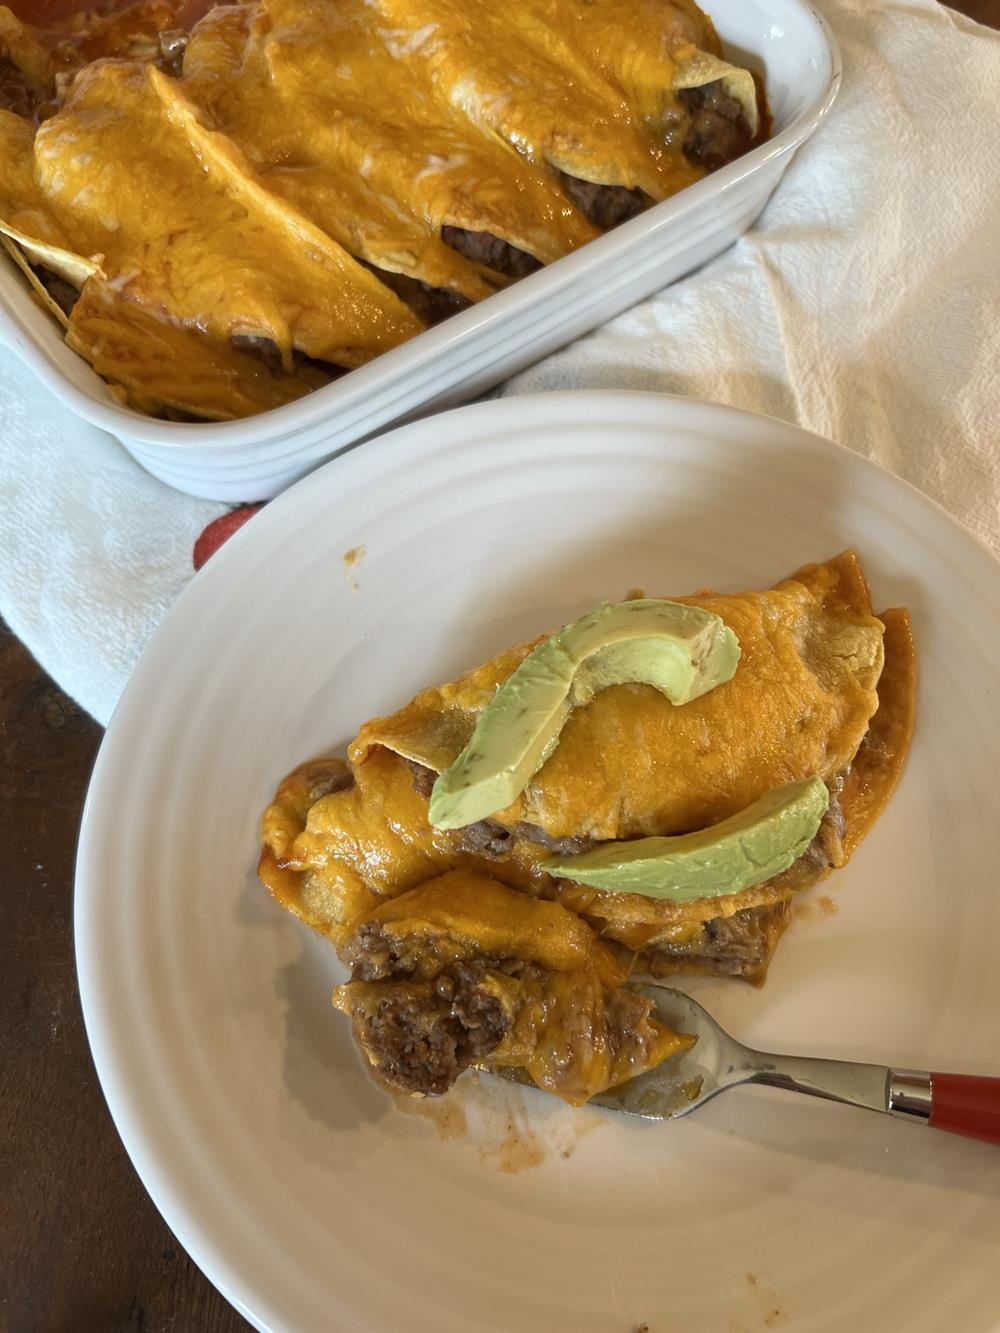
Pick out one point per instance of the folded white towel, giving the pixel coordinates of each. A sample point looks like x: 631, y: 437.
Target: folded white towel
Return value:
x: 864, y: 305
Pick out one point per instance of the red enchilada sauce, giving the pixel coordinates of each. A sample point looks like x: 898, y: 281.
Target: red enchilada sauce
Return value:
x: 71, y: 15
x: 73, y: 35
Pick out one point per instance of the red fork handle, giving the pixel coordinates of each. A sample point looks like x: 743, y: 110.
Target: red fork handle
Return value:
x: 965, y: 1104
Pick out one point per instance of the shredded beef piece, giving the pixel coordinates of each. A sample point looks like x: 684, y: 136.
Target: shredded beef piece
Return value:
x: 718, y: 131
x: 422, y: 1035
x: 606, y: 206
x: 482, y: 247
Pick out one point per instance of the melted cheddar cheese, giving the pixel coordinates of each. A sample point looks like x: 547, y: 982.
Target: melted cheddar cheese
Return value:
x: 630, y: 764
x: 319, y: 179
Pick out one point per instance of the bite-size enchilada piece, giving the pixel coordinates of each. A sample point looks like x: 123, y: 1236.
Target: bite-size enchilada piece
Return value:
x: 820, y: 700
x: 462, y: 970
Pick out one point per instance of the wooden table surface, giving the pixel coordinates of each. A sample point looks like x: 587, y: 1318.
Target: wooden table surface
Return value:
x: 82, y: 1249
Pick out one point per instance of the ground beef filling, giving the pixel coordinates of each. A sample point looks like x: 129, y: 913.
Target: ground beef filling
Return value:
x: 605, y: 206
x: 733, y: 946
x: 431, y: 304
x: 19, y: 93
x: 266, y: 350
x: 718, y: 130
x: 421, y: 1035
x: 62, y: 292
x: 482, y: 247
x: 628, y: 1024
x: 268, y: 353
x: 488, y: 838
x: 322, y: 777
x: 373, y: 956
x: 423, y: 779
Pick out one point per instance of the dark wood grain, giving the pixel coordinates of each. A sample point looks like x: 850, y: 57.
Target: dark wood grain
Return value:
x: 984, y: 11
x: 82, y: 1249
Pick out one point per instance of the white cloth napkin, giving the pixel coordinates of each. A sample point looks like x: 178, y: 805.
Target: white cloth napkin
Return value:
x: 864, y: 305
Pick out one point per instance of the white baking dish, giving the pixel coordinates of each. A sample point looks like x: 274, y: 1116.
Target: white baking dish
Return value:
x: 786, y: 41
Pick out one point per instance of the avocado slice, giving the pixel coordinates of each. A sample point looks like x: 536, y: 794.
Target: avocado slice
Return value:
x: 756, y: 844
x: 682, y: 651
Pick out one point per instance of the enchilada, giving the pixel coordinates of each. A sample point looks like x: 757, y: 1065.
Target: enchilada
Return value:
x: 822, y: 695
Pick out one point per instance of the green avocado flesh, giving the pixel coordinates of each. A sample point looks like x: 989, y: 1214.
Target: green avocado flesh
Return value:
x: 746, y: 849
x: 682, y: 651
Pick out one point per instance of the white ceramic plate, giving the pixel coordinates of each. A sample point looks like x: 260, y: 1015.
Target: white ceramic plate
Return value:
x: 311, y: 1201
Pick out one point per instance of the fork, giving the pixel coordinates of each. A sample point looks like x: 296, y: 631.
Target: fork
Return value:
x: 960, y: 1103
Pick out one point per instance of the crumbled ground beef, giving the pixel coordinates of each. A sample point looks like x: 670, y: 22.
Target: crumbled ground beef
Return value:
x: 482, y: 247
x: 488, y: 838
x: 627, y: 1021
x: 18, y: 93
x: 431, y: 304
x: 63, y: 293
x: 421, y: 1035
x: 560, y: 846
x: 732, y: 946
x: 738, y: 943
x: 423, y: 778
x: 484, y: 838
x: 326, y: 776
x: 372, y: 956
x: 718, y: 131
x: 265, y: 350
x: 606, y: 206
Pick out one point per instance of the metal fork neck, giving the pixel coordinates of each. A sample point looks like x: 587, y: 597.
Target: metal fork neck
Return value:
x: 910, y: 1094
x: 901, y: 1092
